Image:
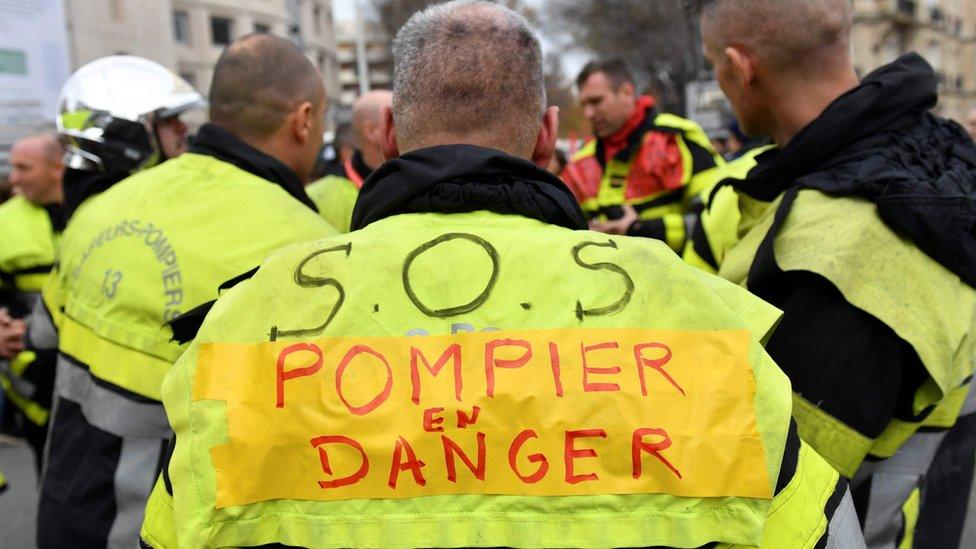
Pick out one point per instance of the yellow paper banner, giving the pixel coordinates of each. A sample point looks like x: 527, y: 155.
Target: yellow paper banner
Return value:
x: 541, y: 412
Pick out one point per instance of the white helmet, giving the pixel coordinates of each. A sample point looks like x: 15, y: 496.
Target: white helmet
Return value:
x: 108, y: 110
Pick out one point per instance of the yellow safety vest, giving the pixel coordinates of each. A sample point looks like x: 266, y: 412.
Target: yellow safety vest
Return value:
x: 335, y: 198
x: 483, y: 379
x: 27, y: 255
x: 718, y: 225
x: 27, y: 245
x: 155, y: 246
x: 886, y: 276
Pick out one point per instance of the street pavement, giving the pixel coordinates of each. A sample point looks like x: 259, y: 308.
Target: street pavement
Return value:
x: 18, y: 505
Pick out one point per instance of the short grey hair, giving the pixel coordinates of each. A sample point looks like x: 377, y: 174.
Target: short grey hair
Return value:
x: 468, y: 68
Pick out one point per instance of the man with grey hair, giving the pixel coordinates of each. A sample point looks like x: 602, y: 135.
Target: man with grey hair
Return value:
x: 860, y: 227
x: 604, y: 394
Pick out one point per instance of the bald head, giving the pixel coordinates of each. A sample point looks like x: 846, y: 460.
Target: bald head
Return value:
x: 785, y: 34
x: 367, y: 117
x: 258, y: 81
x: 36, y: 168
x: 468, y: 72
x: 369, y: 107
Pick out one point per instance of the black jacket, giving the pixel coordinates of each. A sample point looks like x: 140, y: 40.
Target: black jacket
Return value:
x: 880, y: 143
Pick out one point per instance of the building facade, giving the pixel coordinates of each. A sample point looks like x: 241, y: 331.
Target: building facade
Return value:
x: 188, y: 35
x: 365, y: 61
x: 942, y: 31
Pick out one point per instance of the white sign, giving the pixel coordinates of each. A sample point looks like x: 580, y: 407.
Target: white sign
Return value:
x: 33, y: 65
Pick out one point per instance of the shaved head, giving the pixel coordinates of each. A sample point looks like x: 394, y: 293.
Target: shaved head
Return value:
x: 367, y: 122
x: 468, y: 71
x: 369, y: 107
x: 785, y: 34
x: 258, y: 81
x: 43, y: 145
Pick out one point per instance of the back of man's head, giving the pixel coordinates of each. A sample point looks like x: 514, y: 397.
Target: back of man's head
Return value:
x: 367, y: 121
x: 786, y: 35
x: 257, y: 82
x: 468, y: 71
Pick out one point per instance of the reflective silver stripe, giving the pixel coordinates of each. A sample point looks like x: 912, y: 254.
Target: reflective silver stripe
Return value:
x: 134, y: 479
x: 844, y: 531
x: 892, y: 482
x: 969, y: 407
x: 106, y: 409
x: 41, y: 333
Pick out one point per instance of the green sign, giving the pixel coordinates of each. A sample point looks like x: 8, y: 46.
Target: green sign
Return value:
x: 13, y: 62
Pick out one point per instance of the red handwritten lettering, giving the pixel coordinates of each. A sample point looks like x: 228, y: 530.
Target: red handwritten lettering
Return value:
x: 653, y: 448
x: 513, y: 451
x: 463, y: 420
x: 587, y: 370
x: 554, y: 362
x: 453, y: 353
x: 431, y: 422
x: 570, y: 454
x: 380, y: 398
x: 491, y: 362
x: 320, y: 442
x: 451, y: 449
x: 284, y: 375
x: 411, y: 463
x: 655, y: 363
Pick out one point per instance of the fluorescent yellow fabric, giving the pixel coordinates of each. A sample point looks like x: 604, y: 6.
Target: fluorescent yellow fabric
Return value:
x: 335, y: 198
x: 471, y: 273
x: 910, y: 515
x: 844, y: 240
x: 720, y: 219
x: 153, y: 247
x: 27, y: 241
x: 32, y: 410
x: 801, y: 504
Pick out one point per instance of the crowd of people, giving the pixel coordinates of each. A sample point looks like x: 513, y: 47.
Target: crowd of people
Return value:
x: 449, y: 334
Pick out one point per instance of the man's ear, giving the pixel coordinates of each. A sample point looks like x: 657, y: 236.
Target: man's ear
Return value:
x: 627, y: 89
x: 545, y: 142
x: 743, y: 66
x: 389, y: 140
x: 302, y: 122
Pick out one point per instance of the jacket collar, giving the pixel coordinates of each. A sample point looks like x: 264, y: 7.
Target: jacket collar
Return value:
x: 219, y: 143
x: 465, y: 178
x: 889, y: 99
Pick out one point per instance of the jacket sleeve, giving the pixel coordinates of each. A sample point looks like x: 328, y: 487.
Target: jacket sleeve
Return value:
x: 812, y: 506
x: 853, y: 366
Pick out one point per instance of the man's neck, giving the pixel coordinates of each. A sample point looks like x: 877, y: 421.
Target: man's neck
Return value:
x: 372, y: 157
x: 802, y: 102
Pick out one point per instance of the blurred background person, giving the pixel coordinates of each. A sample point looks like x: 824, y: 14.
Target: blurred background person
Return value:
x: 645, y: 170
x: 30, y: 226
x: 558, y: 162
x: 335, y: 195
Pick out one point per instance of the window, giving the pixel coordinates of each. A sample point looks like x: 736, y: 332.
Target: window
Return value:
x: 181, y: 27
x: 317, y: 19
x: 262, y: 28
x: 221, y: 30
